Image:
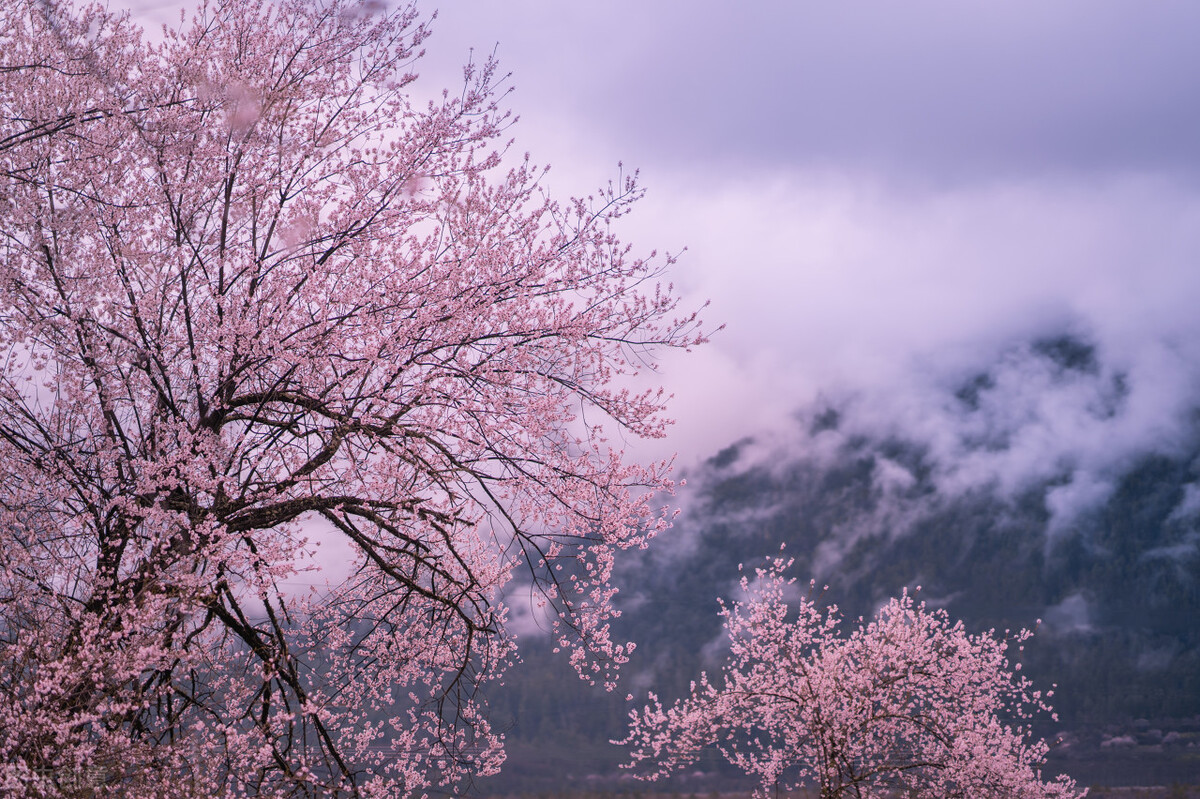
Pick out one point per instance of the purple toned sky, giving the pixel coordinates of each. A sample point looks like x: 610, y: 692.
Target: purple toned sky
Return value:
x: 880, y: 198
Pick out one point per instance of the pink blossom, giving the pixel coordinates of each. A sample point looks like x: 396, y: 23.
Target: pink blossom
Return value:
x: 248, y: 283
x: 909, y: 702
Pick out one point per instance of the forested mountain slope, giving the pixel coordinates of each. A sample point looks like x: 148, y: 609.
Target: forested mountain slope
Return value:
x: 1029, y: 490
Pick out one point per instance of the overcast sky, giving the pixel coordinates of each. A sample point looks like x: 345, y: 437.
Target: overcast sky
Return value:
x: 879, y: 196
x: 876, y: 197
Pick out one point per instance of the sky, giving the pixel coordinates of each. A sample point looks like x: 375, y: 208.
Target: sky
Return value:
x: 880, y: 199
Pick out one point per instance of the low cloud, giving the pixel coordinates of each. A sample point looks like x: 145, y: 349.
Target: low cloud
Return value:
x: 837, y: 288
x: 1072, y: 615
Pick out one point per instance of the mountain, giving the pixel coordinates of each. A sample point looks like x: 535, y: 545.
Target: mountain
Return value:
x: 1040, y: 491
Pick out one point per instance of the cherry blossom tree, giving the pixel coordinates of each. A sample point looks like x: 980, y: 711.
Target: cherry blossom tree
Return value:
x: 906, y: 705
x: 255, y: 295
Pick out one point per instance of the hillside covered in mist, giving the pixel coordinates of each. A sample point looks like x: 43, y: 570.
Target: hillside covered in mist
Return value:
x: 1049, y: 484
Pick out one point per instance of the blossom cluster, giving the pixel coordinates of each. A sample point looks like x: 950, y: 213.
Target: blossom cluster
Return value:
x: 907, y: 702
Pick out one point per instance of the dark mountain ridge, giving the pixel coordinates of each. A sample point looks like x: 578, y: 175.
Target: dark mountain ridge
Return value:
x: 1102, y: 549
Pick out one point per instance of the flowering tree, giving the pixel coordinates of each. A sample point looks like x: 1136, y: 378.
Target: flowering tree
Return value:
x: 253, y: 294
x: 905, y: 705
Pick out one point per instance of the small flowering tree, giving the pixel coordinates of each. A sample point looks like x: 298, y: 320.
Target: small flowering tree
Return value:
x: 908, y: 704
x: 253, y: 290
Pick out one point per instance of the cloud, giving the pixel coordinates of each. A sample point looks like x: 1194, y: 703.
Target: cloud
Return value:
x: 934, y: 91
x: 1072, y: 615
x: 831, y: 285
x: 882, y: 202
